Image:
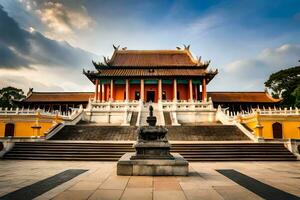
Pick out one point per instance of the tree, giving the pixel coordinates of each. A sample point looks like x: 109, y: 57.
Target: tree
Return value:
x: 9, y: 96
x: 285, y: 84
x: 296, y: 94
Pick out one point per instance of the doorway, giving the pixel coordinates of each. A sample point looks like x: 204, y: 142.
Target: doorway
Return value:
x: 277, y: 130
x: 150, y: 96
x: 9, y: 130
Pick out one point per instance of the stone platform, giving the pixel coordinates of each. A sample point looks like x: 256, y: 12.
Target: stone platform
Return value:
x: 152, y: 167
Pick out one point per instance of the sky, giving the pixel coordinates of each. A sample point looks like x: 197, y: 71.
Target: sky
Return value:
x: 46, y: 44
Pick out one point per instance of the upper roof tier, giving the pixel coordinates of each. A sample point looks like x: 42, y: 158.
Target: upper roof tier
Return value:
x: 152, y: 58
x: 177, y: 63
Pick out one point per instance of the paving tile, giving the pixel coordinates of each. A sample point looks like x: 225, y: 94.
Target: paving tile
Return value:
x: 115, y: 182
x: 166, y: 186
x: 207, y: 194
x: 235, y: 192
x: 73, y: 195
x: 140, y: 182
x: 137, y: 194
x: 171, y: 195
x: 165, y: 179
x: 106, y: 195
x: 85, y: 185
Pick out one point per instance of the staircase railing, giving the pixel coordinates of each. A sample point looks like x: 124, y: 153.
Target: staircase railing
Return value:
x: 230, y: 120
x: 72, y: 119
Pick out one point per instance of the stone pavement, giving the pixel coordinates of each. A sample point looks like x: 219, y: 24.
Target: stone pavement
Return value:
x: 101, y: 182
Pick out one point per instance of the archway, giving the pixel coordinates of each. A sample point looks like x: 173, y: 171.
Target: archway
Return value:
x: 277, y: 130
x: 9, y: 130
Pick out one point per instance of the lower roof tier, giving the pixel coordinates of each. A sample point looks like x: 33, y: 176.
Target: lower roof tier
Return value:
x: 217, y: 97
x: 151, y: 73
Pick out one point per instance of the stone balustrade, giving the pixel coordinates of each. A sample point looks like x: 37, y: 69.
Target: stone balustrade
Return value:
x: 183, y: 105
x: 26, y: 112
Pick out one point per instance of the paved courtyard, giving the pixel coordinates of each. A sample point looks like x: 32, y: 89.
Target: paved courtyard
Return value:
x: 100, y: 181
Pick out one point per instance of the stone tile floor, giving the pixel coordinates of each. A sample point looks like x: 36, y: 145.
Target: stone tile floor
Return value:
x: 101, y: 181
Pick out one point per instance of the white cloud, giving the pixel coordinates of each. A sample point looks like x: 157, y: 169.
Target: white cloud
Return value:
x: 61, y: 19
x: 251, y: 73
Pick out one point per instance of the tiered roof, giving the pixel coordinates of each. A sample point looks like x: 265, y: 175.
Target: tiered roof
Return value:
x: 242, y: 97
x: 217, y: 97
x: 52, y: 97
x: 152, y: 64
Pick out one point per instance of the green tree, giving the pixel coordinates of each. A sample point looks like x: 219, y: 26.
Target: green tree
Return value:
x: 9, y: 95
x: 285, y: 84
x: 296, y: 94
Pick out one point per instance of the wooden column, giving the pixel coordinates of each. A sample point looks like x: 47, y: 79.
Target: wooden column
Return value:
x: 127, y: 90
x: 142, y: 90
x: 203, y: 89
x: 103, y: 93
x: 111, y: 90
x: 159, y: 89
x: 100, y: 91
x: 107, y: 92
x: 96, y: 89
x: 174, y: 89
x: 191, y: 89
x: 196, y: 92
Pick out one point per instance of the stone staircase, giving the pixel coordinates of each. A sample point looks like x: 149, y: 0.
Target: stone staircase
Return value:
x: 216, y: 132
x: 133, y: 118
x: 113, y: 151
x: 168, y: 120
x: 156, y: 112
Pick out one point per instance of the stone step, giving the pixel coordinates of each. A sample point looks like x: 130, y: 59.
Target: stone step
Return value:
x: 182, y: 133
x: 113, y: 151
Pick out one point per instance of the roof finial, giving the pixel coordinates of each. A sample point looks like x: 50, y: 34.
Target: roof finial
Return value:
x: 187, y: 47
x: 106, y: 60
x: 116, y: 47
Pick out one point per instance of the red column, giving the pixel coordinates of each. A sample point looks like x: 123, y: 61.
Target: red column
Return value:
x: 100, y: 92
x: 191, y: 90
x: 96, y: 89
x: 196, y: 92
x: 203, y: 89
x: 107, y: 92
x: 103, y: 92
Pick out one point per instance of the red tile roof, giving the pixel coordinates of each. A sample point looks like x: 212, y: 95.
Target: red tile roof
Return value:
x: 152, y: 58
x: 217, y: 97
x: 154, y: 72
x: 246, y: 97
x: 59, y: 97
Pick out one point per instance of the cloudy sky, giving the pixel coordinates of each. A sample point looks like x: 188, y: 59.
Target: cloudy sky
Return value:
x: 46, y: 44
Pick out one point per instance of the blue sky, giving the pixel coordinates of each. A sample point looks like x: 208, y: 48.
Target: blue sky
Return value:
x: 50, y: 42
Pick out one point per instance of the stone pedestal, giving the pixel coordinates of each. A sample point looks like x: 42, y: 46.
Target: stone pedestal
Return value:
x: 152, y: 156
x: 177, y: 166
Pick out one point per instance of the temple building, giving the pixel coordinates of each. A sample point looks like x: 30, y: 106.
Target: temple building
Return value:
x: 151, y: 75
x: 155, y: 76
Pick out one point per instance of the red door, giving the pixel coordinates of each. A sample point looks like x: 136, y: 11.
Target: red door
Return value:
x: 9, y: 130
x: 277, y: 130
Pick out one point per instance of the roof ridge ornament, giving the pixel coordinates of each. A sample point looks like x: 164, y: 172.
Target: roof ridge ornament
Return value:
x: 187, y: 47
x: 116, y: 48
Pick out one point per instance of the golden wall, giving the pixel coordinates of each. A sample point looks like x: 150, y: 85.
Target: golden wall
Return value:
x: 28, y: 125
x: 290, y: 125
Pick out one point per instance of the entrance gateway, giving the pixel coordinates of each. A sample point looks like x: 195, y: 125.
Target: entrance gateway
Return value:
x: 151, y: 96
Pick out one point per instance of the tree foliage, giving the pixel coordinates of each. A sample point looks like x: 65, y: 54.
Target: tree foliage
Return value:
x: 9, y: 96
x: 285, y: 84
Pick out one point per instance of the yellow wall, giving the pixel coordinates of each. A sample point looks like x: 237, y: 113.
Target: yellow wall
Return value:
x: 23, y: 125
x: 290, y: 125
